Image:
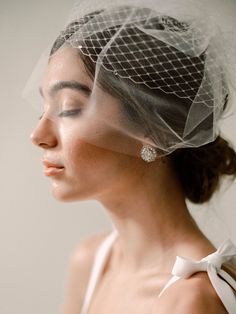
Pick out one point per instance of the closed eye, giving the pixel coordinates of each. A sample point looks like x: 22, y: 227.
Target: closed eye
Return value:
x: 68, y: 113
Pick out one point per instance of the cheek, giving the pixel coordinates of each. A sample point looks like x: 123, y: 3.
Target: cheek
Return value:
x: 93, y: 161
x: 96, y: 131
x: 90, y: 170
x: 89, y: 163
x: 92, y: 145
x: 78, y: 155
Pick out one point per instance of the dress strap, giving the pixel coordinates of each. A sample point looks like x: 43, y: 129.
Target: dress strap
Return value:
x: 222, y: 282
x: 98, y: 263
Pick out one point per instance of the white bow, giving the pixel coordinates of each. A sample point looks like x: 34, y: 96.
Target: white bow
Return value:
x: 221, y: 280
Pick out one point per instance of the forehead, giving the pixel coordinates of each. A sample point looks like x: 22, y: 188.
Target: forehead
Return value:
x: 65, y: 65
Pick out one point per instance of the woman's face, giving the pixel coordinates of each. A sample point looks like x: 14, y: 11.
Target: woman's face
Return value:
x: 73, y: 133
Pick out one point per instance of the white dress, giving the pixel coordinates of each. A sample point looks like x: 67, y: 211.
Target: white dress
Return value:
x: 183, y: 267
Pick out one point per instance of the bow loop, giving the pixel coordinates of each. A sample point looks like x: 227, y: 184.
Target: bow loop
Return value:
x: 185, y: 267
x: 215, y: 259
x: 224, y: 253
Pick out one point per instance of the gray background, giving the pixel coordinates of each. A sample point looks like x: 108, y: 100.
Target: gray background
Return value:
x: 38, y: 233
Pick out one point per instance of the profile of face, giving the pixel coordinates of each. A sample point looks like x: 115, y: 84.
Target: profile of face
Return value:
x: 73, y: 134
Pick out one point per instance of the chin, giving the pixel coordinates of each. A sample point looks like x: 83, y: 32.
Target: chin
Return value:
x: 67, y: 195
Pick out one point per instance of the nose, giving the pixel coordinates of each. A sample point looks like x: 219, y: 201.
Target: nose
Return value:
x: 44, y: 135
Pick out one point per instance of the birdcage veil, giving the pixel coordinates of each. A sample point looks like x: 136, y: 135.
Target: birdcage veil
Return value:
x: 160, y: 74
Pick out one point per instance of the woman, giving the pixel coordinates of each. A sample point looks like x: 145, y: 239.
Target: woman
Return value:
x: 132, y: 100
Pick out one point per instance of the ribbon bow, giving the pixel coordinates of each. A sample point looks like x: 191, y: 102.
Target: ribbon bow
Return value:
x: 185, y: 267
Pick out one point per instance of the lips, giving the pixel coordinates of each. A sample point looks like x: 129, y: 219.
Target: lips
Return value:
x: 50, y: 164
x: 51, y: 169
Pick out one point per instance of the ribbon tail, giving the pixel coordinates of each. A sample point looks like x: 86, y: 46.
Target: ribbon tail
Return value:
x: 222, y: 288
x: 228, y: 278
x: 170, y: 282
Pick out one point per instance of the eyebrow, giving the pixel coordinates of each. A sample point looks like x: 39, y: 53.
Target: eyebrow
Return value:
x: 74, y: 85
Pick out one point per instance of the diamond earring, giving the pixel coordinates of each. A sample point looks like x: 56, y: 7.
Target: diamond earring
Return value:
x: 148, y: 153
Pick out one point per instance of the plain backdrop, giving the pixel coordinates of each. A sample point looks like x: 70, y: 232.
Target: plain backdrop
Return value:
x: 38, y: 233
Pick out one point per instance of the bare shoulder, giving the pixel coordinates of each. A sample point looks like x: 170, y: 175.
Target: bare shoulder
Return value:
x: 193, y: 295
x: 79, y: 269
x: 84, y: 253
x: 202, y: 297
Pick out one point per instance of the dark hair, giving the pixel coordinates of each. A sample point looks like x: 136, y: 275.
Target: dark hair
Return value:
x: 199, y: 169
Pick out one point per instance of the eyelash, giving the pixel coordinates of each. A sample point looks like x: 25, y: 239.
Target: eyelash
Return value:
x: 66, y: 113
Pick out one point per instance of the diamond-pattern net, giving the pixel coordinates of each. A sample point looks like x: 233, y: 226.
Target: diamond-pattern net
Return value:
x: 154, y: 52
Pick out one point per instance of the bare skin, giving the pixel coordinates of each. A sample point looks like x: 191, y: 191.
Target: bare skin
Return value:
x: 144, y: 200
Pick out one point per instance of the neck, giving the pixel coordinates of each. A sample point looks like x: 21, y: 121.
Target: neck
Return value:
x: 152, y: 220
